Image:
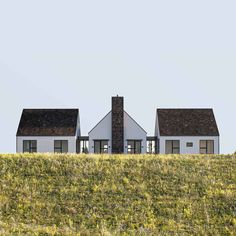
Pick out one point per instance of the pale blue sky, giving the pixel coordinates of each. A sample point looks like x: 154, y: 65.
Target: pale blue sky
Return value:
x: 155, y: 53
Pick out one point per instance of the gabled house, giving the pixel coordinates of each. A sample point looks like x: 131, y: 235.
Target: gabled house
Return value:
x: 48, y: 130
x: 187, y: 131
x: 117, y: 132
x: 177, y: 131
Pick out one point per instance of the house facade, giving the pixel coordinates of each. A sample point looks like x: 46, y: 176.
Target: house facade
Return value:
x: 187, y: 131
x: 117, y: 132
x: 177, y: 131
x: 48, y: 130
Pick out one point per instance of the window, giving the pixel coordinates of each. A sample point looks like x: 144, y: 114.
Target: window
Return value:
x: 172, y: 147
x: 134, y: 146
x: 100, y: 146
x: 206, y: 146
x: 189, y: 144
x: 61, y: 146
x: 151, y: 146
x: 84, y: 146
x: 29, y: 146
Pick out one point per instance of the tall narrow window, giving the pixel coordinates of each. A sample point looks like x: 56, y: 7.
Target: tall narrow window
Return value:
x: 172, y: 147
x: 151, y: 146
x: 84, y: 144
x: 61, y: 146
x: 134, y: 146
x: 100, y: 146
x: 29, y: 146
x: 206, y: 146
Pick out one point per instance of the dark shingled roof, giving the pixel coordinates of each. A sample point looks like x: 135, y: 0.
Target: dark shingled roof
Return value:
x: 187, y: 122
x: 48, y: 122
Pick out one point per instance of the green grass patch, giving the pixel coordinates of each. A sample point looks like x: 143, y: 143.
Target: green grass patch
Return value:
x: 45, y: 194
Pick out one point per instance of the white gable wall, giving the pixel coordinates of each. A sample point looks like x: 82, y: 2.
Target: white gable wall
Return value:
x: 46, y: 143
x: 133, y: 131
x: 78, y: 130
x: 101, y: 131
x: 157, y: 131
x: 184, y: 139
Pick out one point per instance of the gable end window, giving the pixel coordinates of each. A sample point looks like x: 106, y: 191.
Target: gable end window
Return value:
x: 206, y: 146
x: 29, y: 146
x: 134, y: 146
x: 100, y: 146
x: 172, y: 147
x: 60, y: 146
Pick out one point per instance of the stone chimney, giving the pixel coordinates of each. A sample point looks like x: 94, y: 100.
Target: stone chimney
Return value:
x: 117, y: 124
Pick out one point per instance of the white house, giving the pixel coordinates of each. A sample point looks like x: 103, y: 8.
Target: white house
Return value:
x: 48, y: 130
x: 187, y: 131
x: 117, y: 132
x: 178, y: 131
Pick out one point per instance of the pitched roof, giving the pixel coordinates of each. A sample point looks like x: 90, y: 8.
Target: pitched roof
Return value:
x: 187, y: 122
x: 48, y: 122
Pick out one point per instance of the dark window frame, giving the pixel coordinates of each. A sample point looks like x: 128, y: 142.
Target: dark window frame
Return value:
x: 206, y: 147
x: 101, y: 148
x: 134, y: 146
x: 172, y: 146
x: 32, y: 148
x: 61, y: 146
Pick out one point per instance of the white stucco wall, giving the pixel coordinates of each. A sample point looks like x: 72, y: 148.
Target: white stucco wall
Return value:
x: 133, y: 131
x: 184, y: 139
x: 46, y: 143
x: 78, y: 129
x: 157, y: 131
x: 101, y: 131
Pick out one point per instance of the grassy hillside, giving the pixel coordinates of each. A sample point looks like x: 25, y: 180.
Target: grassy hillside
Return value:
x: 139, y: 195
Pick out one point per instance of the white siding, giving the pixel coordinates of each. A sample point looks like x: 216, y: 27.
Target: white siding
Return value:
x: 101, y: 131
x: 157, y: 131
x: 78, y: 130
x: 46, y: 143
x: 184, y: 139
x: 133, y: 131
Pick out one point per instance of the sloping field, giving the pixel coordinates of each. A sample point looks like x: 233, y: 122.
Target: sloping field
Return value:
x: 117, y: 195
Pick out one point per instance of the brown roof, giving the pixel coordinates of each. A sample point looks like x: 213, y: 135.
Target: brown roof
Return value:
x: 187, y: 122
x: 48, y: 122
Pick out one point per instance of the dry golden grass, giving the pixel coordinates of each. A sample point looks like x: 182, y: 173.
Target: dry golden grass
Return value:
x: 45, y: 194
